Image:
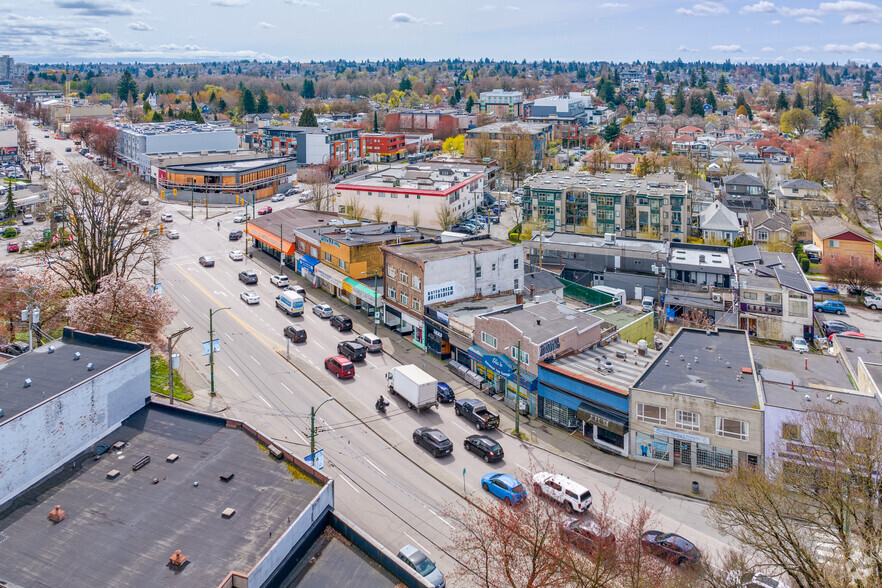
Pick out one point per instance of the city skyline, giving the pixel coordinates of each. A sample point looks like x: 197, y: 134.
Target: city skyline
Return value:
x: 51, y: 31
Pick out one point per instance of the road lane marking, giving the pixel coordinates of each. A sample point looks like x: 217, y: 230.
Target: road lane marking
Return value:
x: 185, y: 298
x: 234, y: 371
x: 461, y: 427
x: 255, y: 360
x: 264, y: 401
x: 522, y: 467
x: 230, y: 337
x: 375, y: 466
x: 443, y: 520
x: 342, y: 477
x: 286, y: 387
x: 423, y: 549
x: 302, y: 438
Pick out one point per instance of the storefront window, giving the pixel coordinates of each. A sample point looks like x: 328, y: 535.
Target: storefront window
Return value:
x: 652, y: 446
x: 610, y: 437
x: 557, y: 414
x: 713, y: 458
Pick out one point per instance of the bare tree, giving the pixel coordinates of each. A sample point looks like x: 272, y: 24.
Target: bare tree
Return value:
x: 767, y: 175
x: 415, y: 218
x: 379, y: 213
x: 517, y: 158
x: 322, y: 192
x: 23, y: 128
x: 445, y: 216
x: 484, y: 146
x: 353, y: 207
x: 559, y: 85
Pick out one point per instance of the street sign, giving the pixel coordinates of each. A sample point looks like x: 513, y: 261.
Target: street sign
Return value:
x: 206, y: 349
x: 157, y: 289
x: 318, y: 458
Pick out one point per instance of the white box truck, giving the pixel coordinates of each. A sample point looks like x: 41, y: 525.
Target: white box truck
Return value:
x: 618, y: 294
x: 290, y: 302
x: 418, y: 388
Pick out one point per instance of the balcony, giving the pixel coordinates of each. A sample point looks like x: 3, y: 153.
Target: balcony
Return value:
x: 771, y: 309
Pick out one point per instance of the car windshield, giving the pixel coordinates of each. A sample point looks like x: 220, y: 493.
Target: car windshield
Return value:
x: 422, y: 564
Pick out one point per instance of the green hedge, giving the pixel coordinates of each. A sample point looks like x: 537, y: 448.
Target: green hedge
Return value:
x: 10, y: 232
x: 805, y: 264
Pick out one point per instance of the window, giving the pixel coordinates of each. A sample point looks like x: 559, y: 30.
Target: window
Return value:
x: 525, y: 357
x: 684, y: 419
x: 791, y: 432
x: 834, y: 242
x: 773, y: 298
x: 390, y: 292
x: 415, y: 304
x: 416, y: 282
x: 748, y: 295
x: 762, y: 235
x: 516, y: 284
x: 493, y: 287
x: 403, y: 277
x: 327, y: 257
x: 517, y: 263
x: 732, y: 428
x: 798, y: 308
x: 652, y: 414
x: 439, y: 293
x: 488, y: 339
x: 390, y: 271
x: 403, y: 299
x: 478, y: 272
x: 825, y: 438
x: 493, y: 267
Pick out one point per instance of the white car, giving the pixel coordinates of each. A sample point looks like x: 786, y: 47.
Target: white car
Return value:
x: 305, y: 197
x: 236, y: 255
x: 574, y: 496
x: 323, y: 310
x: 250, y: 296
x: 173, y: 234
x: 239, y: 218
x: 277, y: 198
x: 296, y: 289
x: 873, y: 301
x: 166, y: 217
x: 800, y: 345
x: 279, y: 280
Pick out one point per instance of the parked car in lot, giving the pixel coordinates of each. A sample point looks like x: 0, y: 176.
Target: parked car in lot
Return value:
x: 296, y: 333
x: 484, y: 447
x: 264, y: 210
x: 833, y: 306
x: 588, y: 535
x: 873, y: 301
x: 445, y: 393
x: 250, y: 296
x: 433, y: 440
x: 831, y: 327
x: 12, y: 247
x: 280, y: 280
x: 504, y: 487
x: 852, y: 291
x: 573, y: 496
x: 14, y: 348
x: 248, y: 276
x: 341, y: 322
x: 236, y: 235
x: 27, y: 219
x: 670, y: 547
x: 323, y: 310
x: 236, y: 255
x: 425, y: 567
x: 340, y: 367
x: 825, y: 289
x: 800, y: 345
x: 371, y: 342
x: 206, y: 261
x: 352, y: 350
x: 277, y: 198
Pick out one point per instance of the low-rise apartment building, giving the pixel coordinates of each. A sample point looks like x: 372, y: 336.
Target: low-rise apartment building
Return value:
x: 383, y: 147
x: 651, y: 207
x: 504, y: 105
x: 500, y: 134
x: 798, y: 198
x: 225, y: 182
x: 137, y: 142
x: 339, y: 149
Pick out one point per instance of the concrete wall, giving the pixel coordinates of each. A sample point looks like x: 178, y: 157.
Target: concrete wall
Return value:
x: 643, y: 327
x: 459, y: 273
x: 68, y: 423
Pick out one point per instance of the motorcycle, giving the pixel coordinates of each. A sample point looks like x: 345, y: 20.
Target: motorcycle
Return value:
x: 381, y: 404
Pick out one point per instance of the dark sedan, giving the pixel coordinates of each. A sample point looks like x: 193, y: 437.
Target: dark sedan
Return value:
x: 831, y: 327
x: 445, y: 393
x: 353, y: 350
x: 588, y: 535
x: 484, y: 447
x: 433, y: 440
x: 341, y: 322
x: 670, y: 547
x: 296, y: 333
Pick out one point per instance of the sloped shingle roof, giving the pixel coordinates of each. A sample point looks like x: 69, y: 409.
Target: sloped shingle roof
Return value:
x: 832, y: 226
x: 717, y: 217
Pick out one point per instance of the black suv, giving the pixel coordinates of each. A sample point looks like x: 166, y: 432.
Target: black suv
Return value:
x: 485, y: 447
x: 248, y: 277
x: 236, y: 235
x: 433, y: 440
x: 352, y: 350
x: 296, y: 333
x: 341, y: 322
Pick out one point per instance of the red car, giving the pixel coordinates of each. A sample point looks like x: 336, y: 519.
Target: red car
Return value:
x: 12, y: 247
x: 340, y: 367
x: 266, y: 210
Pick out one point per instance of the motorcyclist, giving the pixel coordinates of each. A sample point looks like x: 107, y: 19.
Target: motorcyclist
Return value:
x: 382, y: 403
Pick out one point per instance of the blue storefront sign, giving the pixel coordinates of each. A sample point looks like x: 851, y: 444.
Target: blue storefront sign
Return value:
x: 306, y: 263
x: 502, y: 366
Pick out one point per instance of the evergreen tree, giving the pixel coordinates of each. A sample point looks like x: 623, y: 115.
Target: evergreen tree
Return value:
x: 126, y: 88
x: 798, y: 102
x: 307, y: 118
x: 457, y: 94
x: 659, y: 76
x: 376, y: 123
x: 659, y: 102
x: 221, y: 104
x: 147, y: 107
x: 711, y: 99
x: 308, y: 91
x: 404, y: 85
x: 193, y: 106
x: 156, y: 117
x: 263, y: 103
x: 693, y: 81
x: 581, y: 74
x: 470, y: 104
x: 702, y: 80
x: 722, y: 85
x: 10, y: 210
x: 679, y: 101
x: 782, y: 102
x: 832, y: 121
x: 247, y: 104
x: 696, y: 104
x: 611, y: 131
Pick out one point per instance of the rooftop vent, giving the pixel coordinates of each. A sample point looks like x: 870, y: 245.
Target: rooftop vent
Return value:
x: 90, y: 366
x: 57, y: 515
x: 27, y: 383
x: 178, y: 559
x: 77, y: 356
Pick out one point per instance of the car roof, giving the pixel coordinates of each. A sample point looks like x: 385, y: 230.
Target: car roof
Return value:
x: 505, y: 478
x: 341, y: 359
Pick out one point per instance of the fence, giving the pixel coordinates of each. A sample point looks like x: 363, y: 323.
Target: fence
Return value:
x: 585, y: 294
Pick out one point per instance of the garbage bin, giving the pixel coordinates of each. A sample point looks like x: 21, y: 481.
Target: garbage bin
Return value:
x: 695, y: 487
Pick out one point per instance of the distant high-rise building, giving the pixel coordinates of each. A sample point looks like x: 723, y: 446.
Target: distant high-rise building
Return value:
x: 7, y: 68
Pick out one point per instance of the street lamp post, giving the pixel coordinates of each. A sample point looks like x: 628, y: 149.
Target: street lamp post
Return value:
x: 211, y: 342
x: 376, y: 300
x: 312, y: 412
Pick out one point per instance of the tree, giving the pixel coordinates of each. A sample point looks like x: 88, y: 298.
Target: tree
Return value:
x: 262, y: 103
x: 696, y: 105
x: 841, y: 271
x: 741, y: 103
x: 659, y: 103
x: 127, y: 88
x: 125, y: 308
x: 679, y: 101
x: 156, y: 117
x: 710, y: 99
x: 379, y: 213
x: 10, y: 210
x: 598, y: 157
x: 308, y: 90
x: 611, y: 131
x: 820, y: 486
x: 798, y: 102
x: 322, y: 192
x: 307, y: 118
x: 376, y: 123
x: 722, y: 85
x: 831, y: 121
x: 560, y: 85
x: 767, y: 175
x: 517, y: 158
x: 354, y: 207
x: 483, y: 146
x: 405, y: 84
x: 798, y: 120
x: 470, y: 103
x: 454, y: 145
x: 651, y: 163
x: 445, y: 216
x: 247, y: 104
x: 782, y: 103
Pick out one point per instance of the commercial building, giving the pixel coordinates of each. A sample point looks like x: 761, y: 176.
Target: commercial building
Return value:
x: 79, y: 109
x: 698, y: 405
x: 137, y: 142
x: 339, y: 149
x: 419, y: 195
x: 441, y: 122
x: 225, y: 182
x: 654, y: 206
x: 566, y: 114
x: 839, y: 239
x: 504, y: 105
x: 500, y: 134
x: 279, y: 231
x: 383, y: 147
x: 428, y: 274
x: 8, y: 144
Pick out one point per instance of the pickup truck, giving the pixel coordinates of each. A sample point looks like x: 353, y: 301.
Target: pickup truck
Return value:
x: 477, y: 412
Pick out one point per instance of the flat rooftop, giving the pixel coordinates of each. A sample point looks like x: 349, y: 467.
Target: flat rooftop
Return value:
x: 339, y: 564
x: 607, y: 183
x: 426, y: 175
x: 628, y: 366
x: 241, y: 165
x: 810, y: 373
x: 431, y: 251
x: 173, y: 127
x: 854, y: 348
x: 619, y: 317
x: 599, y: 241
x: 292, y: 219
x: 705, y: 260
x: 512, y: 127
x: 544, y: 321
x: 53, y: 373
x: 121, y: 532
x: 677, y: 372
x: 464, y: 312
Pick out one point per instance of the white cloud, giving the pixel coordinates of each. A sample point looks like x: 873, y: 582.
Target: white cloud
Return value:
x: 265, y: 25
x: 139, y: 26
x: 99, y: 7
x: 303, y: 3
x: 767, y: 49
x: 514, y: 8
x: 802, y: 49
x: 728, y: 48
x: 228, y: 3
x: 848, y: 6
x: 809, y: 20
x: 775, y: 22
x: 860, y: 19
x: 704, y: 9
x: 764, y: 6
x: 685, y: 49
x: 403, y: 17
x: 614, y: 5
x: 180, y: 48
x: 856, y: 48
x: 798, y: 12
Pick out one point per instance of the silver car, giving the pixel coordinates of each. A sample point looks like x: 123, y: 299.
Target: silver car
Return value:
x: 422, y: 564
x: 370, y: 341
x: 250, y: 296
x: 323, y: 310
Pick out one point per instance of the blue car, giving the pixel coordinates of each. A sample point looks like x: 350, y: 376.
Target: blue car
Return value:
x: 833, y: 306
x: 825, y: 290
x: 504, y: 487
x: 445, y: 393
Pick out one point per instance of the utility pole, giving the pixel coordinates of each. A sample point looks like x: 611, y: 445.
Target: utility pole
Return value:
x: 281, y: 248
x: 172, y: 341
x: 376, y: 301
x: 192, y: 203
x: 517, y: 430
x: 312, y: 412
x: 211, y: 343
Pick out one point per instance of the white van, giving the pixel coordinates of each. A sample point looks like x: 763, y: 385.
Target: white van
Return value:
x: 290, y: 302
x: 618, y: 294
x: 648, y: 303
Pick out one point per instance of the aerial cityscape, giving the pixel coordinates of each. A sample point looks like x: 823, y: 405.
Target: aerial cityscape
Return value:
x: 494, y: 295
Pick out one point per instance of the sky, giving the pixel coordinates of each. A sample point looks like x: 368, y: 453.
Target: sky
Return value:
x: 55, y: 31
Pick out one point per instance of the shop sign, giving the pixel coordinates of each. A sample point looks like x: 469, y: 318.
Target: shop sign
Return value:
x: 442, y: 317
x: 495, y: 363
x: 681, y: 436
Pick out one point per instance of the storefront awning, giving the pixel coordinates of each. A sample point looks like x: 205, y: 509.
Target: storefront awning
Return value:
x: 329, y: 275
x: 361, y: 291
x: 503, y: 367
x: 602, y: 418
x: 307, y: 261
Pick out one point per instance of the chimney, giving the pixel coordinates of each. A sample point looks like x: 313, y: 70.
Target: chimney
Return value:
x: 178, y: 559
x: 57, y: 515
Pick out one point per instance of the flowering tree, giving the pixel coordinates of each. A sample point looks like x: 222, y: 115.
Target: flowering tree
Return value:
x: 44, y: 290
x: 123, y: 308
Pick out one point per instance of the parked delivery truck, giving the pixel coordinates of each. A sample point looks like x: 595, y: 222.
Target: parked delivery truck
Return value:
x: 290, y: 302
x: 418, y: 388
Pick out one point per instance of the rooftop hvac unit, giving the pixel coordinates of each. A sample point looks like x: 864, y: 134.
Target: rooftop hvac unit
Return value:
x: 609, y: 238
x: 716, y: 297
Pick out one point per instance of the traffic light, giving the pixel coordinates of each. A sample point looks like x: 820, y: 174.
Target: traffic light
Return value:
x: 161, y: 229
x: 174, y: 191
x: 162, y: 194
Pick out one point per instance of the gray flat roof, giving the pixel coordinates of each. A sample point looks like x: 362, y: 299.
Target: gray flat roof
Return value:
x: 239, y: 165
x: 626, y: 370
x: 677, y: 372
x: 339, y: 564
x: 599, y: 241
x: 431, y: 251
x: 544, y: 321
x: 121, y: 532
x: 53, y: 373
x: 782, y: 396
x: 870, y: 350
x: 649, y: 186
x: 293, y: 219
x: 783, y: 366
